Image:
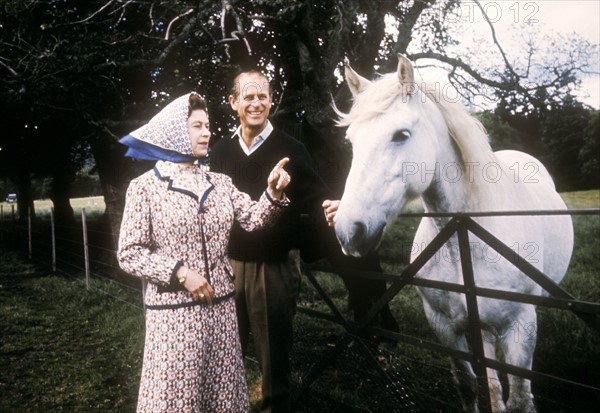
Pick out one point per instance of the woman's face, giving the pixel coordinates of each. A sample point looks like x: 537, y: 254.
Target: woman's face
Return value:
x: 199, y: 133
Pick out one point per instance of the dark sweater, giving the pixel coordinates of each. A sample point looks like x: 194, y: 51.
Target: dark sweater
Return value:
x: 306, y: 192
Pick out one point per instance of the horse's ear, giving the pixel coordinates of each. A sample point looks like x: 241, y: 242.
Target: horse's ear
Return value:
x: 356, y: 83
x: 406, y: 74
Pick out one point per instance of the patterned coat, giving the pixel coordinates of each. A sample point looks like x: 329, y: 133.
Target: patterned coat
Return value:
x: 181, y: 215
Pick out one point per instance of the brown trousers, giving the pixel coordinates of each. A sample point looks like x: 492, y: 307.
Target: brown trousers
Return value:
x: 265, y: 296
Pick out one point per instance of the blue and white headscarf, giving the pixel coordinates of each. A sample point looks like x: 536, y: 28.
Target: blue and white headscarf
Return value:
x: 165, y: 137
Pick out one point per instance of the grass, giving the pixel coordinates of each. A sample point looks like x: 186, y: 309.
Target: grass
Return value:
x: 64, y: 349
x: 68, y: 349
x: 93, y: 205
x: 582, y: 199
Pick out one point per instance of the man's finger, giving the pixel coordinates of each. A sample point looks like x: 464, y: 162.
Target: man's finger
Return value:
x: 280, y: 182
x: 282, y: 163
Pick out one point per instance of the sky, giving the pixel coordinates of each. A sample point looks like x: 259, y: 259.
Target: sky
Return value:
x: 543, y: 17
x: 562, y: 16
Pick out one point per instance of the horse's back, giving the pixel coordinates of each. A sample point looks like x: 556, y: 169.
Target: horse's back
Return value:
x: 521, y: 167
x: 546, y: 241
x: 535, y: 190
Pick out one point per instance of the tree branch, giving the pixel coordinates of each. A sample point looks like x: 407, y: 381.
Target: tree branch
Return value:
x: 495, y: 39
x: 181, y: 37
x: 174, y: 20
x: 91, y: 16
x: 407, y: 23
x: 457, y: 63
x: 236, y: 35
x: 7, y: 67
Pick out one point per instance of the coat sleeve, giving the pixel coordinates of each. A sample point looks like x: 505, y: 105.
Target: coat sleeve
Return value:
x: 136, y: 253
x: 253, y: 215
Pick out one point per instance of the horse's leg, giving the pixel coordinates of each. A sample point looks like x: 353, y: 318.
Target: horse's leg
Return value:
x: 462, y: 372
x: 358, y: 301
x: 466, y: 382
x: 518, y: 344
x: 362, y: 295
x: 362, y: 292
x: 388, y: 322
x: 494, y: 384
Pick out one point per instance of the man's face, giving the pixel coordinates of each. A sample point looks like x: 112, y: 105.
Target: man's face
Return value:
x: 254, y: 101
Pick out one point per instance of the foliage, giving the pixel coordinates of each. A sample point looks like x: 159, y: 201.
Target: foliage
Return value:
x: 589, y: 154
x: 79, y: 74
x: 562, y: 138
x: 501, y: 134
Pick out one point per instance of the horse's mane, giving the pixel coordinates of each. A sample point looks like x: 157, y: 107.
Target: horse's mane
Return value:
x: 465, y: 130
x: 373, y: 101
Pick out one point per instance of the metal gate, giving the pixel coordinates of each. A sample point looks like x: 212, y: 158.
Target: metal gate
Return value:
x: 460, y: 224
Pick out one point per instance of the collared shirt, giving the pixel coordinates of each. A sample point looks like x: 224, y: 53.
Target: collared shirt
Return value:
x: 259, y: 140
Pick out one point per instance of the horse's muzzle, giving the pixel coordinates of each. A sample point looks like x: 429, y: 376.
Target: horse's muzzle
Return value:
x: 357, y: 239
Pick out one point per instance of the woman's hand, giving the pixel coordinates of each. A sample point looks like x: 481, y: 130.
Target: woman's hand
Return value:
x: 278, y: 180
x: 196, y: 284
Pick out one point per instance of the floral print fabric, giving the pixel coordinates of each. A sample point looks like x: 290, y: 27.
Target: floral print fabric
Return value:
x: 168, y: 129
x: 192, y: 358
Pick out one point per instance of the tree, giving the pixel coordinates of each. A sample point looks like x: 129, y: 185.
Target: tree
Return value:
x: 502, y: 135
x: 562, y: 137
x: 88, y: 72
x: 589, y: 153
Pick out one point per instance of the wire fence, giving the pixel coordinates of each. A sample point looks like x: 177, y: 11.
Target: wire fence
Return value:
x: 75, y: 250
x: 356, y: 352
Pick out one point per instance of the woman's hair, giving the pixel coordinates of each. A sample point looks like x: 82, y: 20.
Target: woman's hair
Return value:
x: 197, y: 102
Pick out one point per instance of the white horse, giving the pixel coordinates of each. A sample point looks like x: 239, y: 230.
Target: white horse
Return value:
x: 409, y: 141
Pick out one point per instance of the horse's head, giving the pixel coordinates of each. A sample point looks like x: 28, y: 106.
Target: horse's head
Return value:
x: 393, y: 130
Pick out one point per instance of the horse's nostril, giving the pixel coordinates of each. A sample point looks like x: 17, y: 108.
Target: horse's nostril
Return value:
x: 359, y: 230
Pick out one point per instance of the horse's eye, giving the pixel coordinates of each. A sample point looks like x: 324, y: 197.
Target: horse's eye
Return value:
x: 401, y: 135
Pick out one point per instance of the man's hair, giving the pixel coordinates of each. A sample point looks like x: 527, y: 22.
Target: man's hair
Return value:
x: 235, y: 84
x: 196, y: 102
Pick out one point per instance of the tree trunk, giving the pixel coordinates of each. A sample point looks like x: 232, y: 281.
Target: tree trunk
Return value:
x: 61, y: 194
x: 24, y: 196
x: 115, y: 172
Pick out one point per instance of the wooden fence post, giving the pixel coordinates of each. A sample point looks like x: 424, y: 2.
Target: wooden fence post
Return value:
x: 85, y: 250
x: 28, y: 230
x: 53, y: 235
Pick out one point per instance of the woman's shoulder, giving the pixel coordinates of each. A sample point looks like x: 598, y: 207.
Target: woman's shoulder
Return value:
x: 144, y: 180
x: 147, y: 176
x: 218, y: 178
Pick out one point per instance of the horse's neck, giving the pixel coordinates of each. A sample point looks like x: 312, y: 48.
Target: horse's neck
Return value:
x: 444, y: 197
x: 445, y: 194
x: 469, y: 193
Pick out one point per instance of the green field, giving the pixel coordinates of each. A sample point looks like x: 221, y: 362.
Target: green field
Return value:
x: 582, y: 199
x: 93, y: 206
x: 574, y: 200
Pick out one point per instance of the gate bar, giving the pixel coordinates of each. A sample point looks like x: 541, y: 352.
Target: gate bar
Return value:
x: 483, y: 395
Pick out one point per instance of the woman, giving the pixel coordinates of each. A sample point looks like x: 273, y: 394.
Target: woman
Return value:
x: 174, y: 235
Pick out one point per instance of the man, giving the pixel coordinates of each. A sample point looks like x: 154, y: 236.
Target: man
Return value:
x: 266, y: 263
